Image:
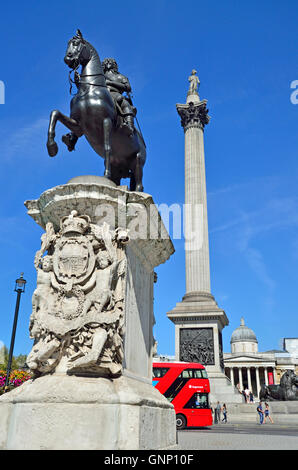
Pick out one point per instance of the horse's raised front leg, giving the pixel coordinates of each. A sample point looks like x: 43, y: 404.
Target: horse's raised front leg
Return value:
x: 70, y: 123
x: 107, y: 127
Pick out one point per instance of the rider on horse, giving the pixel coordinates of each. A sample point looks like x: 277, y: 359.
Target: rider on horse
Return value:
x: 118, y: 84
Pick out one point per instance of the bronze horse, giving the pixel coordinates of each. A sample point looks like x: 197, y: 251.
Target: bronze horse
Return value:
x: 93, y: 113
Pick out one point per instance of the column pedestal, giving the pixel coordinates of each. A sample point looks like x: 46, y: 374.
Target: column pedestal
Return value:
x: 198, y: 338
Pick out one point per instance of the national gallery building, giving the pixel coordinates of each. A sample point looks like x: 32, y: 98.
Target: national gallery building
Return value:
x: 246, y: 367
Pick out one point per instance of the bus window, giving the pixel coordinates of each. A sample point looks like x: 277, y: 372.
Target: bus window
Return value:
x: 202, y: 400
x: 186, y: 374
x: 198, y: 401
x: 159, y: 372
x: 197, y: 374
x: 194, y: 374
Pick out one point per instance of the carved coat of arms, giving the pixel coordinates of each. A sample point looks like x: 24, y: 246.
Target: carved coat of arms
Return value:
x: 78, y: 305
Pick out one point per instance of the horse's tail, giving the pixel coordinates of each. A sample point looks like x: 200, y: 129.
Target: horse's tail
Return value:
x: 139, y: 131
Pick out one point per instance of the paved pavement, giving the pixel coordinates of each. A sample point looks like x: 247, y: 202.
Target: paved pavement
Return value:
x: 239, y: 436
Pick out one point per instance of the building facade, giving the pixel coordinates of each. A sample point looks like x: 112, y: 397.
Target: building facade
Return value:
x: 246, y: 367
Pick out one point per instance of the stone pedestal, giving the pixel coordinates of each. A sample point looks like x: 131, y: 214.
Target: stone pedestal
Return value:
x: 59, y: 412
x: 92, y: 324
x: 198, y: 331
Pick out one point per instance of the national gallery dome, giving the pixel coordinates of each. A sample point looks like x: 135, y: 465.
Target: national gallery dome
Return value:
x: 243, y: 339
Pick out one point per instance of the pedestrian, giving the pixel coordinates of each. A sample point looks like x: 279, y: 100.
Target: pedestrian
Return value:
x: 244, y: 395
x: 217, y: 412
x: 247, y: 394
x: 224, y: 410
x: 251, y: 397
x: 213, y: 413
x: 267, y: 414
x: 261, y: 412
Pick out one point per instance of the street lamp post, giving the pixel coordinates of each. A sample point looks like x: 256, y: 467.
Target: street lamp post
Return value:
x: 19, y: 288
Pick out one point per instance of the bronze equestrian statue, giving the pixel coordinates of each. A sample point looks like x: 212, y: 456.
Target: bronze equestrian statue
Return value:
x: 286, y: 391
x: 100, y: 112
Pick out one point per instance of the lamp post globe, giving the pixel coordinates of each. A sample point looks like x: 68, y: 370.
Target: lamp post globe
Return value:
x: 20, y: 284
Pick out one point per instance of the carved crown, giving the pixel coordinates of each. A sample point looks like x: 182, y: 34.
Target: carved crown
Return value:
x: 75, y: 223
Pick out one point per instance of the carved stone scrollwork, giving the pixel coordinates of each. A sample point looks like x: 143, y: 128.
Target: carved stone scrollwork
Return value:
x: 78, y: 311
x: 197, y: 345
x: 193, y: 115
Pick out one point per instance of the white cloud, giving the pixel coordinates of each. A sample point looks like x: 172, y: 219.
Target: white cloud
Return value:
x: 25, y: 140
x: 266, y: 216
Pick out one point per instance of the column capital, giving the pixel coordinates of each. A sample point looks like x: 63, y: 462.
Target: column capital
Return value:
x: 193, y: 114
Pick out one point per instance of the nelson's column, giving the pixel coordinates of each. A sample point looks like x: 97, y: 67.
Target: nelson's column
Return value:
x: 198, y: 319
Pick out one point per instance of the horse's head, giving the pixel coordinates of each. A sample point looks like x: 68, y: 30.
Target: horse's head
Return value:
x: 78, y: 51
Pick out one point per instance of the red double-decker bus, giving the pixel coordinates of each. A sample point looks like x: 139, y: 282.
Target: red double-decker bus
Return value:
x: 186, y: 386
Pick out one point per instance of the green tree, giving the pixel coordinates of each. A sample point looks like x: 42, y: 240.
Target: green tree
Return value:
x: 18, y: 362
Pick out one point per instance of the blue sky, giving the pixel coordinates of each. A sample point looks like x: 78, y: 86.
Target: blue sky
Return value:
x: 246, y: 56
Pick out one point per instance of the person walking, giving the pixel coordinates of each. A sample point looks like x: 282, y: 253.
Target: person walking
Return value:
x: 217, y: 412
x: 261, y: 412
x: 251, y: 397
x: 244, y: 395
x: 213, y: 413
x: 224, y: 410
x: 267, y: 414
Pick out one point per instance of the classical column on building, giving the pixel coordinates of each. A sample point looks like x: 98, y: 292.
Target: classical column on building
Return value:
x: 240, y: 378
x: 274, y: 375
x: 266, y: 375
x: 249, y: 379
x: 258, y: 381
x: 232, y: 376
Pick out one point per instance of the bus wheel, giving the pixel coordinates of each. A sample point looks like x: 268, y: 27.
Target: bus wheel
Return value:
x: 180, y: 422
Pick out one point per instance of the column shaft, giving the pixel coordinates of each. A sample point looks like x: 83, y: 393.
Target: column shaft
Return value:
x: 240, y: 378
x: 196, y: 222
x: 258, y: 381
x: 232, y: 376
x: 266, y: 375
x: 249, y: 379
